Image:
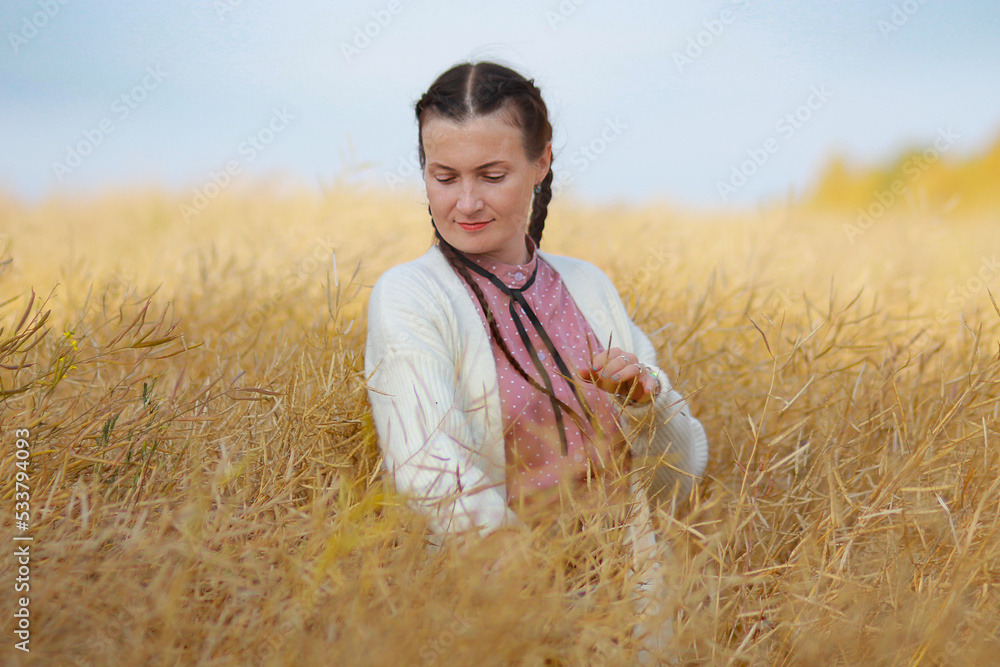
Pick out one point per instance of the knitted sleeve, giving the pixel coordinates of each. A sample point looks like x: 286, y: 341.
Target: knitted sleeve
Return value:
x: 668, y: 442
x: 423, y: 434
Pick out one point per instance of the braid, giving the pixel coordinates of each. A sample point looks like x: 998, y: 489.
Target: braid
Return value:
x: 470, y: 90
x: 449, y: 253
x: 540, y: 208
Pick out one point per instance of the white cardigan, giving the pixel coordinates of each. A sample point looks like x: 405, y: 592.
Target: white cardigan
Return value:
x: 435, y: 399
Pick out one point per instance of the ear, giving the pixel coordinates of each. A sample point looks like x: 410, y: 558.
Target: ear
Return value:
x: 544, y: 162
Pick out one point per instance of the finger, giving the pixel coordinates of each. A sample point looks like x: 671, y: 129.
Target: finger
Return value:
x: 627, y: 374
x: 643, y: 386
x: 598, y: 361
x: 602, y: 361
x: 649, y: 383
x: 607, y: 357
x: 620, y: 367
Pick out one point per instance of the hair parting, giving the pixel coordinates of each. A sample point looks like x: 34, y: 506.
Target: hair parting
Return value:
x: 470, y: 90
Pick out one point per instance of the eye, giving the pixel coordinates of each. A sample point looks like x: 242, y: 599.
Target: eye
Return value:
x: 495, y: 178
x: 446, y: 179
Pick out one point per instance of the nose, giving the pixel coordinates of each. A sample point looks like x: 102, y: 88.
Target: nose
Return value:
x: 468, y: 200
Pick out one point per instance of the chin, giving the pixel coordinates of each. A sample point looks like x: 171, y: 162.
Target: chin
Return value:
x: 472, y: 248
x: 470, y: 242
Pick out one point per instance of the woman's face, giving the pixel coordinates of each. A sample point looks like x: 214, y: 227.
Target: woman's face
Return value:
x: 479, y: 184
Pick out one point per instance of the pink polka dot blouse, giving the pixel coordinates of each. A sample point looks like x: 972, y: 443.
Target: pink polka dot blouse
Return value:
x: 534, y: 457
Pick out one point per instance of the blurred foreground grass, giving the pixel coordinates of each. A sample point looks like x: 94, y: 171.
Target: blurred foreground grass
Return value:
x: 206, y: 487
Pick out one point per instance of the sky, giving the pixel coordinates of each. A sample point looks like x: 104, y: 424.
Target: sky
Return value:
x: 725, y: 103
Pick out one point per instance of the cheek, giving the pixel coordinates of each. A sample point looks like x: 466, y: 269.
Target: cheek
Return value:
x: 436, y: 195
x: 513, y: 200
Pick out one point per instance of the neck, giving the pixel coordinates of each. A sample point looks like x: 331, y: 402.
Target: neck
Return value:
x: 524, y: 258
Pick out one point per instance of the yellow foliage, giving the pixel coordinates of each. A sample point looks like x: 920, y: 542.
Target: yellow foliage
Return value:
x: 927, y: 181
x: 206, y: 486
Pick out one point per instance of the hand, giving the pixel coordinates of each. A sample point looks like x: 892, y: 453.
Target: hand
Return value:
x: 619, y: 372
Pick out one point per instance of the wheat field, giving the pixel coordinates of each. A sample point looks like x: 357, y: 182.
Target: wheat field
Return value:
x: 206, y: 487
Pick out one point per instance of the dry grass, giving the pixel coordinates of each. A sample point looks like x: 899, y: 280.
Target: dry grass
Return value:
x: 206, y: 486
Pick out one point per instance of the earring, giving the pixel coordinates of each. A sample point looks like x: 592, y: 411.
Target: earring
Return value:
x: 538, y: 188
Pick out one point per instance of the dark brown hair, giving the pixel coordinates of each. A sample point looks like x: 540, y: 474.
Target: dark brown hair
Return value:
x: 470, y: 90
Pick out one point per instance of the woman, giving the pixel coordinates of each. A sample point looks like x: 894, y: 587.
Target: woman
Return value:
x: 504, y: 379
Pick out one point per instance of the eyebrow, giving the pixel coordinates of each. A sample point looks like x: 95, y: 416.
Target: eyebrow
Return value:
x: 479, y: 168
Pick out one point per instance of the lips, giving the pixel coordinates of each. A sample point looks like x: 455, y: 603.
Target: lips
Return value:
x: 473, y: 226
